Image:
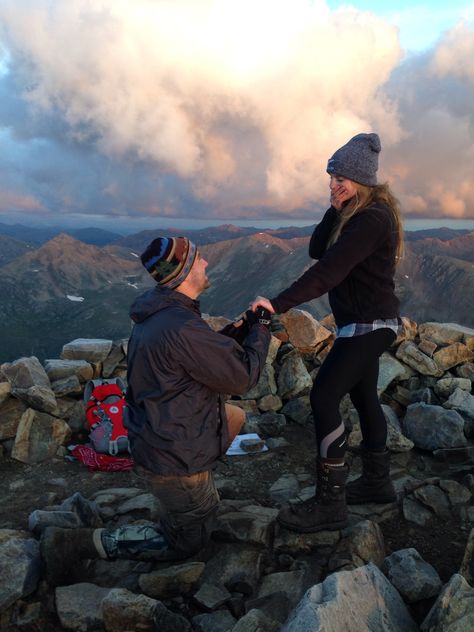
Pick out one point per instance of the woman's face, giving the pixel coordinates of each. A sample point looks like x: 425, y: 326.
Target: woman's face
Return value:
x: 342, y: 188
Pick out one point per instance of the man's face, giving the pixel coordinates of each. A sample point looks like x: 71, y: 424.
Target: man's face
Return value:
x: 198, y: 274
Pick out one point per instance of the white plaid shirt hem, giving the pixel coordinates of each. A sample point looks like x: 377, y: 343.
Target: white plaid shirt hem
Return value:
x: 359, y: 329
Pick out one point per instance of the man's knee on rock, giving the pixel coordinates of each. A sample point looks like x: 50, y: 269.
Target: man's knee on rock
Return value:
x: 194, y: 537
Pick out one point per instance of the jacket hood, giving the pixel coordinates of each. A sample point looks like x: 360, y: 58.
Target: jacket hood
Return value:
x: 158, y: 298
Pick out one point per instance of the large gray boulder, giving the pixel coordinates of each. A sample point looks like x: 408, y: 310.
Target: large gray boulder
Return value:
x: 294, y: 378
x: 89, y: 349
x: 461, y: 401
x: 359, y: 544
x: 19, y: 566
x: 39, y: 436
x: 30, y: 383
x: 453, y: 611
x: 10, y: 414
x: 238, y: 567
x: 284, y: 488
x: 352, y: 601
x: 447, y: 385
x: 411, y: 355
x: 454, y: 354
x: 304, y: 331
x: 79, y: 606
x: 291, y: 584
x: 396, y: 440
x: 414, y: 578
x: 124, y: 610
x: 58, y: 369
x: 169, y: 582
x: 5, y: 390
x: 299, y: 410
x: 255, y: 621
x: 25, y: 373
x: 38, y: 397
x: 445, y: 333
x: 266, y: 384
x: 432, y: 427
x: 391, y: 369
x: 251, y: 525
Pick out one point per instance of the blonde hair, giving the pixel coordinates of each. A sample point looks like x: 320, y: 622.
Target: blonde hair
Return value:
x: 366, y: 196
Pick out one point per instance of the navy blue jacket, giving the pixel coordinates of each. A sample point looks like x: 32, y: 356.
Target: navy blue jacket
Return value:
x: 179, y: 371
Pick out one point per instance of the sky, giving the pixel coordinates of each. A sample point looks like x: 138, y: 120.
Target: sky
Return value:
x: 121, y: 112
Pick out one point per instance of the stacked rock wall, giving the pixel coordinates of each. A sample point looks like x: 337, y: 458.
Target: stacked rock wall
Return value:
x: 425, y: 384
x: 41, y: 406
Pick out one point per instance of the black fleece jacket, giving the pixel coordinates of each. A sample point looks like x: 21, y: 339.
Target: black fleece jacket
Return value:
x: 357, y: 271
x: 178, y: 372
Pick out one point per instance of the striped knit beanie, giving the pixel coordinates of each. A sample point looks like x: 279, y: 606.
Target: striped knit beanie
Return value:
x: 169, y: 260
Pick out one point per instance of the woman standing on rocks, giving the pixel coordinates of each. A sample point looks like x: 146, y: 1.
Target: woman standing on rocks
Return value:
x: 357, y: 245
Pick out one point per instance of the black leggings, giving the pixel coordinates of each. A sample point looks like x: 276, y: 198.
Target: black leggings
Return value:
x: 352, y: 366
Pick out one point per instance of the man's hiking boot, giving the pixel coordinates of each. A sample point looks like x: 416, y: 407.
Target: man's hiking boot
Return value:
x: 137, y: 542
x: 374, y: 485
x: 326, y: 510
x: 63, y: 550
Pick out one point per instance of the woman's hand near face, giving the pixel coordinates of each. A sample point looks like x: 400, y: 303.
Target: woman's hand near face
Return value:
x: 261, y: 301
x: 342, y: 190
x: 338, y: 197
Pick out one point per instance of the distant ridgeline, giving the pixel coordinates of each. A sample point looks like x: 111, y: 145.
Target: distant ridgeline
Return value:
x: 68, y: 289
x: 425, y: 384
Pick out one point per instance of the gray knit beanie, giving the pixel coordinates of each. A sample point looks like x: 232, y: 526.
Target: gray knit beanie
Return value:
x: 357, y: 160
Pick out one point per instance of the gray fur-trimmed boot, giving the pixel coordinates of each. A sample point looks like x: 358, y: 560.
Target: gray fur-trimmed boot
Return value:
x: 375, y: 484
x: 326, y: 510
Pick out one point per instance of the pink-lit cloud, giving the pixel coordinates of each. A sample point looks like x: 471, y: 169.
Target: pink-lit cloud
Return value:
x: 10, y: 200
x: 242, y: 102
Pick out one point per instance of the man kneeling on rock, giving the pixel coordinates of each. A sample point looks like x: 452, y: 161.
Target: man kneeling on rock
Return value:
x: 178, y: 421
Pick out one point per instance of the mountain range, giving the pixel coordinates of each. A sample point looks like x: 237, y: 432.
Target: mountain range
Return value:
x: 67, y: 289
x: 34, y: 236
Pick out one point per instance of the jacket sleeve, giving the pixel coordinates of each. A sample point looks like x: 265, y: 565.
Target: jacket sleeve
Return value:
x: 359, y: 238
x: 220, y: 362
x: 237, y: 333
x: 320, y: 236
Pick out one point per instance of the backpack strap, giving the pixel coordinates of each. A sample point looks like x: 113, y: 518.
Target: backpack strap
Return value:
x: 114, y: 445
x: 93, y: 384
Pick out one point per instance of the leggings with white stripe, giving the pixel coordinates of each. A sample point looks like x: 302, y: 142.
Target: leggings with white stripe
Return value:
x: 352, y: 366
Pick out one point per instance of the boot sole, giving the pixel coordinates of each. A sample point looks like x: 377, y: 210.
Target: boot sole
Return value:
x: 333, y: 526
x: 375, y: 501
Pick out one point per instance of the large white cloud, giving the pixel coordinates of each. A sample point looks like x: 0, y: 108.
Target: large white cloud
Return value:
x: 227, y: 106
x: 181, y: 84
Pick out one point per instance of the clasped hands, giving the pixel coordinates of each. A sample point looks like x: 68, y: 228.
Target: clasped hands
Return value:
x: 259, y: 311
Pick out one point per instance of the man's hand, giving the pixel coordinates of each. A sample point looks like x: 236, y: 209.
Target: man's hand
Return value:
x: 260, y: 316
x: 261, y: 301
x: 238, y: 330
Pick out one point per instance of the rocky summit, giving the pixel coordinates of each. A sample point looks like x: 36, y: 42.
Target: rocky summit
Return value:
x: 403, y: 566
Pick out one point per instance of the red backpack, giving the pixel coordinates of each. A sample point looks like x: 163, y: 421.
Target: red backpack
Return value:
x: 105, y: 401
